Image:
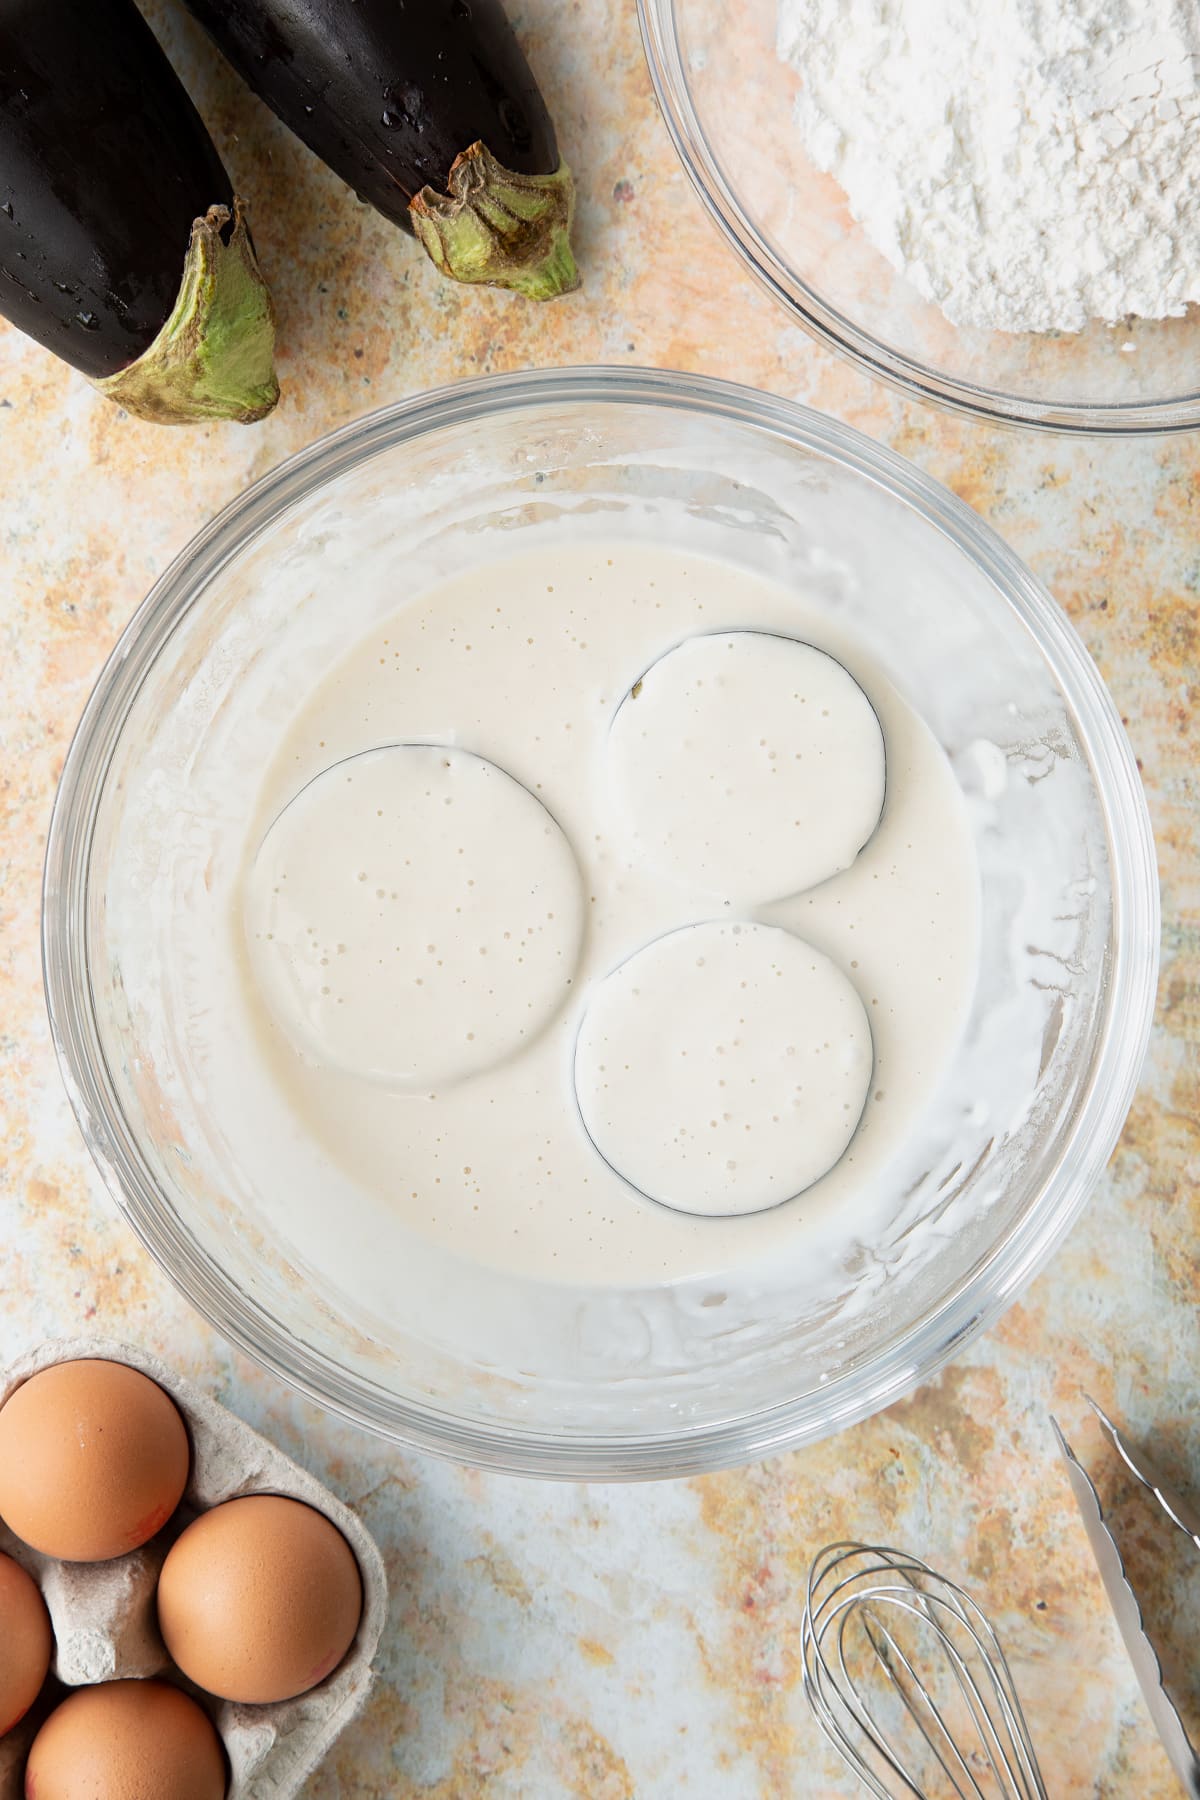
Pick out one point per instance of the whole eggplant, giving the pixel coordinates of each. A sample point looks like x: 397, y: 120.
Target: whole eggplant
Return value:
x: 429, y: 110
x: 122, y: 246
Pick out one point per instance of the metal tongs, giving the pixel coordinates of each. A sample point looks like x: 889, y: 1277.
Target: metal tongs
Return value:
x: 1122, y: 1598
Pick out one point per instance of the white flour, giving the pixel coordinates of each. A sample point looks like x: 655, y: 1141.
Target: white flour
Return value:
x: 1028, y: 164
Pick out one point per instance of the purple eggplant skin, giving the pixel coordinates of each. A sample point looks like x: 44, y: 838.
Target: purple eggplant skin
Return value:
x: 389, y: 92
x: 104, y: 165
x: 396, y: 96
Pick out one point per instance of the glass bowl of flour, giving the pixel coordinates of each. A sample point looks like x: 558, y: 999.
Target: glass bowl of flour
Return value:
x: 600, y: 923
x: 994, y: 208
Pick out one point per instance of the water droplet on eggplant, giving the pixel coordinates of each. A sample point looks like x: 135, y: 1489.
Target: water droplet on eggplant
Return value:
x: 514, y: 122
x: 88, y: 320
x: 403, y: 106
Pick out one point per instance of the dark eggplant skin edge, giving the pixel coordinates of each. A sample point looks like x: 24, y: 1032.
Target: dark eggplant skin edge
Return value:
x: 104, y: 164
x: 500, y: 228
x: 214, y: 357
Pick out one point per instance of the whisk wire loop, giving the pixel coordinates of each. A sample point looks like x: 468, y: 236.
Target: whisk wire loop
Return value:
x: 879, y: 1627
x: 920, y: 1709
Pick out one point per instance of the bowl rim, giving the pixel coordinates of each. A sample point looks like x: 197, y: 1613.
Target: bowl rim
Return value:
x: 903, y: 374
x: 1129, y: 988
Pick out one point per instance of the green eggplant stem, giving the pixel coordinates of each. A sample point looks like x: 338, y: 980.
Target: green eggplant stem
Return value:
x: 500, y: 228
x: 214, y: 357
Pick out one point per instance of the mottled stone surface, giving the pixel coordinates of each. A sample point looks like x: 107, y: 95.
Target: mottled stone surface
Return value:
x: 545, y: 1640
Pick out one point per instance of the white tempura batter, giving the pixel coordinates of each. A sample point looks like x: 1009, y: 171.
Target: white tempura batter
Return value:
x: 470, y: 1127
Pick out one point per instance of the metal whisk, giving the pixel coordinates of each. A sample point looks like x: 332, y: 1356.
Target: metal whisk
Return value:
x: 907, y: 1678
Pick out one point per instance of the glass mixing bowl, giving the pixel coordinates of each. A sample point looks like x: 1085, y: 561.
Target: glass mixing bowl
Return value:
x: 494, y: 1369
x: 728, y: 103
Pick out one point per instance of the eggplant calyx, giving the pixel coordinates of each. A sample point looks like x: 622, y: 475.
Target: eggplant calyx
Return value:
x: 214, y: 357
x: 500, y: 228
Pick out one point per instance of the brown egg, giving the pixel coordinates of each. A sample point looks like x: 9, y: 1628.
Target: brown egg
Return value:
x: 259, y: 1599
x: 25, y: 1642
x: 93, y: 1460
x: 126, y: 1740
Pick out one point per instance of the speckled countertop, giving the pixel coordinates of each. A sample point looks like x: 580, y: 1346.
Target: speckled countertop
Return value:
x: 644, y: 1641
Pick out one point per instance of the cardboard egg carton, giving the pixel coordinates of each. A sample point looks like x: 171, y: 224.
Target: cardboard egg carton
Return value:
x: 105, y: 1615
